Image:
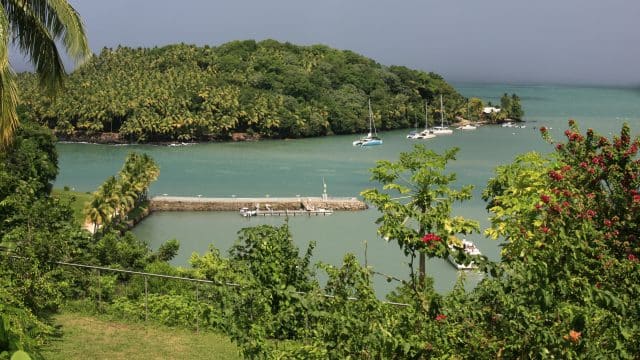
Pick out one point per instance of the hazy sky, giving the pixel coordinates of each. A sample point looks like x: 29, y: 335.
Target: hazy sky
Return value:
x: 539, y: 41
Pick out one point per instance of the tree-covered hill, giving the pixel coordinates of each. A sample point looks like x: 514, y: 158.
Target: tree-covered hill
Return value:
x: 265, y: 89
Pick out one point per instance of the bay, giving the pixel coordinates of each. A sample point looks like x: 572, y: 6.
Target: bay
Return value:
x: 298, y: 167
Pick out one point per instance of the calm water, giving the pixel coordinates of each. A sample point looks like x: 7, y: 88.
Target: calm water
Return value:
x: 297, y: 167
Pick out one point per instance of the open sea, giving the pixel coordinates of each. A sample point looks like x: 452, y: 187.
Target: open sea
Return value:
x: 298, y: 167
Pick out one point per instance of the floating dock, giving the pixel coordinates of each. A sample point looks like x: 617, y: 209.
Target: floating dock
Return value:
x: 289, y: 205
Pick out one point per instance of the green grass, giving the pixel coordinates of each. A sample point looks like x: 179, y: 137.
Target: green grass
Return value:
x: 79, y: 199
x: 87, y: 337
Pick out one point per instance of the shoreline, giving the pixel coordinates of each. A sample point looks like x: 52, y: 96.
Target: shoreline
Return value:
x: 115, y: 140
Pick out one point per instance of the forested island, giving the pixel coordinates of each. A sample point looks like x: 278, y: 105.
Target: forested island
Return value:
x: 238, y: 90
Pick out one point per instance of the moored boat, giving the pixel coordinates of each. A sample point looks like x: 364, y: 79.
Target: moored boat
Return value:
x: 372, y: 137
x: 467, y: 127
x: 441, y: 130
x: 426, y: 133
x: 468, y: 248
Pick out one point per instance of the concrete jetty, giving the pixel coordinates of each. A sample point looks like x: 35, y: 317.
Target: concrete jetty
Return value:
x: 190, y: 203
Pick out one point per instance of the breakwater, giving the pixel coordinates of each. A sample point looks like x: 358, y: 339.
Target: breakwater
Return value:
x: 185, y: 203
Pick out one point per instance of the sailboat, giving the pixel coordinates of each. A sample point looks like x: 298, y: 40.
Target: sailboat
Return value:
x: 468, y: 126
x: 372, y: 137
x: 426, y: 133
x: 442, y: 130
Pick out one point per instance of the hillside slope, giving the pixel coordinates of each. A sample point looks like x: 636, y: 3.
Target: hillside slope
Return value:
x: 261, y: 89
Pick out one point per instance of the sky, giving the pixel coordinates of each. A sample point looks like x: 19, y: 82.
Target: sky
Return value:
x: 495, y: 41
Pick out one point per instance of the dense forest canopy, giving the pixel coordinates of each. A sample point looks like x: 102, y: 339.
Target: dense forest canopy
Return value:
x: 265, y: 89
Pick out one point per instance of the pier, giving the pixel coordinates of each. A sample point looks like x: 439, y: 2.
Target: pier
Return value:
x: 278, y: 205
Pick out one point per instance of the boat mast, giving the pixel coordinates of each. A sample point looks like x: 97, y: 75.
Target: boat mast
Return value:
x: 426, y: 114
x: 371, y: 123
x: 441, y: 113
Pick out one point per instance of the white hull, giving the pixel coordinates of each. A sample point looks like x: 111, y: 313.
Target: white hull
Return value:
x: 442, y: 131
x: 470, y: 249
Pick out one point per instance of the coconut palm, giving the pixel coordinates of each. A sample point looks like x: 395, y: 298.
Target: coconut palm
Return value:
x: 34, y: 27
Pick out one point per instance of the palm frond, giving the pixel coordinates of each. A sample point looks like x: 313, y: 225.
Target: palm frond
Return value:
x: 63, y: 22
x: 33, y: 38
x: 8, y: 89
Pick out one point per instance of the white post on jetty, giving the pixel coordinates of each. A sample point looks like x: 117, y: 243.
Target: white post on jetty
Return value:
x: 324, y: 192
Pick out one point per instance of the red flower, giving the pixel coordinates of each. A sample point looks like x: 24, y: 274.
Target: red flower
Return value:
x: 590, y: 213
x: 543, y: 129
x: 636, y: 198
x: 559, y: 146
x: 545, y: 198
x: 607, y: 223
x: 431, y: 239
x: 440, y: 317
x: 544, y: 229
x: 632, y: 257
x: 556, y: 175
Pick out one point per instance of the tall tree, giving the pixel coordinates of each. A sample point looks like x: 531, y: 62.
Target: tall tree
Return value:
x: 416, y: 204
x: 34, y: 27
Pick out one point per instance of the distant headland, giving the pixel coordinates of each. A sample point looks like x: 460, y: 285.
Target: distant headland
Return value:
x: 238, y: 91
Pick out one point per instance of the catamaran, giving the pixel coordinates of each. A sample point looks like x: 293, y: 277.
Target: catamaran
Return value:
x: 426, y: 133
x: 372, y: 137
x: 441, y: 130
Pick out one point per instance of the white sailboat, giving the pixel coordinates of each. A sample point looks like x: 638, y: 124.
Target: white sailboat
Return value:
x: 372, y: 137
x: 468, y: 126
x: 442, y: 130
x: 426, y: 133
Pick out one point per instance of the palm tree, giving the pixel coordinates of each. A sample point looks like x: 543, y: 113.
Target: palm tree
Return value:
x: 34, y: 27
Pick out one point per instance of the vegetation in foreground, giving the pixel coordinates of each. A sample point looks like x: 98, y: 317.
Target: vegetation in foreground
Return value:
x: 567, y: 286
x: 92, y: 337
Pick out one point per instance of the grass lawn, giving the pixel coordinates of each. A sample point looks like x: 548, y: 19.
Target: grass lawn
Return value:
x: 80, y: 198
x: 86, y: 337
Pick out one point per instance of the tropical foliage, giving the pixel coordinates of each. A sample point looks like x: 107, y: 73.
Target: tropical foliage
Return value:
x: 114, y: 200
x: 567, y: 285
x: 262, y: 89
x: 417, y: 200
x: 37, y: 28
x: 35, y: 230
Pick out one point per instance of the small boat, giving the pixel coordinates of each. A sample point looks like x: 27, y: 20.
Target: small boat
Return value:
x: 372, y: 137
x: 426, y: 133
x: 470, y: 249
x: 467, y: 127
x: 441, y: 130
x: 247, y: 213
x: 508, y: 125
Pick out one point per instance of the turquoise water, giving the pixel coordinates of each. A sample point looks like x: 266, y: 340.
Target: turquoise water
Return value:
x: 298, y: 167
